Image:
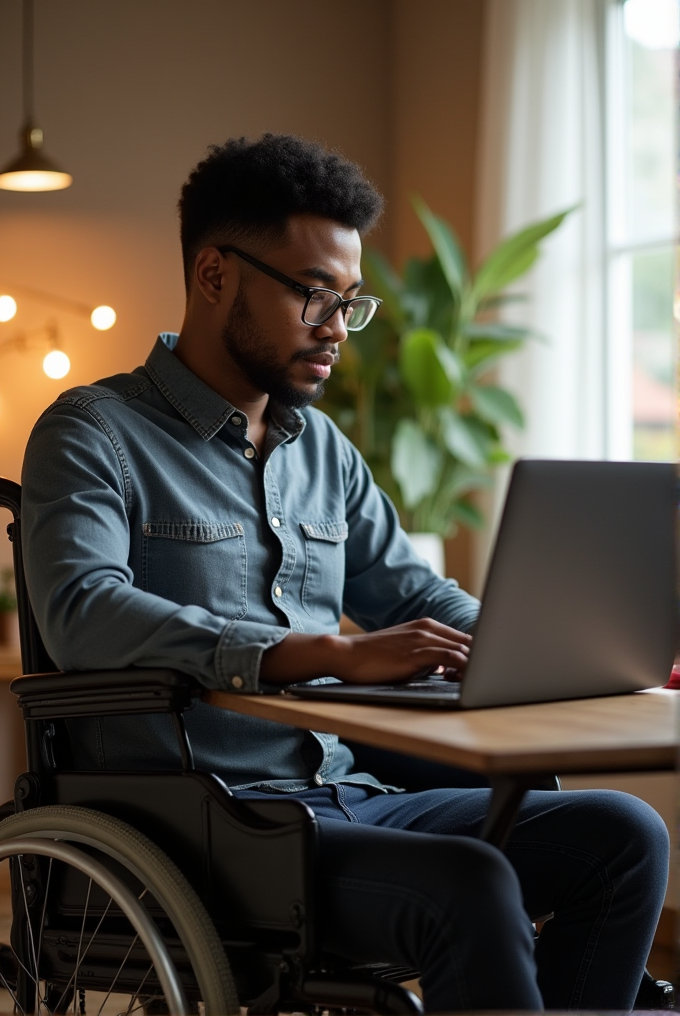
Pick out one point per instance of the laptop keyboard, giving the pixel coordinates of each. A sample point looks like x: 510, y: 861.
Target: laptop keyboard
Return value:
x: 434, y: 687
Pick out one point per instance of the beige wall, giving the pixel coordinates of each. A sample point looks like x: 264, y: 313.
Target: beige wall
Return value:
x: 130, y: 94
x: 436, y: 64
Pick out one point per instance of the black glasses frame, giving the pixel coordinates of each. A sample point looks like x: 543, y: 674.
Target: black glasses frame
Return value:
x: 306, y: 291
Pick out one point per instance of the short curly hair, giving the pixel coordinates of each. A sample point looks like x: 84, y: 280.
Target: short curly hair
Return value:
x: 246, y: 190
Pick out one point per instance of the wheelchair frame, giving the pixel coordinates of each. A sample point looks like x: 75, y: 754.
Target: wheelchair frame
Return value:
x: 251, y: 864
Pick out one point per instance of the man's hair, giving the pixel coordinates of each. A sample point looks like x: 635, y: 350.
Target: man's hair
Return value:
x: 245, y: 191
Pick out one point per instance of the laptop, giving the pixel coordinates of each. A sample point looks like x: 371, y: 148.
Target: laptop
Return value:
x: 580, y: 596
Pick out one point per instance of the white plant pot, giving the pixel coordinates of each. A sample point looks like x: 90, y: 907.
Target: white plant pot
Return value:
x: 430, y: 546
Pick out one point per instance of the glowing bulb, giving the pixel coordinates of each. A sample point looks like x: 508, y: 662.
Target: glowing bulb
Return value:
x: 8, y: 308
x: 655, y: 24
x: 35, y: 180
x: 103, y: 318
x: 56, y: 364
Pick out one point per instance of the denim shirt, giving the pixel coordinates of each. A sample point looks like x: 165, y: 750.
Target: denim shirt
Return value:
x: 155, y: 535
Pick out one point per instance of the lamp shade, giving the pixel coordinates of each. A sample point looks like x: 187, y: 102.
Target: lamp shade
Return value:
x: 32, y: 171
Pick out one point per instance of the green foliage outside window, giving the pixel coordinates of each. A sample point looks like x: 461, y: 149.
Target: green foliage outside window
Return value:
x: 414, y: 389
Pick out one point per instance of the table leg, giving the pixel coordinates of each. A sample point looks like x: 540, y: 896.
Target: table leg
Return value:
x: 506, y: 796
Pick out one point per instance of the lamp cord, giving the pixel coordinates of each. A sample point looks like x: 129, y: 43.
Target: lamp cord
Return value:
x: 27, y: 60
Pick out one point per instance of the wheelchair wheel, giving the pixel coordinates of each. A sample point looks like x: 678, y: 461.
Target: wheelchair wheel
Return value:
x: 111, y: 923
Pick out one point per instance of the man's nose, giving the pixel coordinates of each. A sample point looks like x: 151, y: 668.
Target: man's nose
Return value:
x: 334, y: 329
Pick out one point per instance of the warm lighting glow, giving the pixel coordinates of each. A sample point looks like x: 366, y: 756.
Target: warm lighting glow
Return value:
x: 8, y: 308
x: 35, y: 180
x: 103, y: 318
x: 56, y: 364
x: 655, y: 24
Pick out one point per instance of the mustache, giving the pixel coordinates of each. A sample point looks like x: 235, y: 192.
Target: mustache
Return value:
x: 309, y: 354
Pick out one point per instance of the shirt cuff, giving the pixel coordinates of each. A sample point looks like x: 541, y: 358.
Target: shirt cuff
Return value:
x: 239, y: 654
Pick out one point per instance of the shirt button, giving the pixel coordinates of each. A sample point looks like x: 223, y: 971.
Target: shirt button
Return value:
x: 237, y: 682
x: 318, y: 779
x: 278, y: 591
x: 236, y: 420
x: 276, y: 522
x: 249, y: 453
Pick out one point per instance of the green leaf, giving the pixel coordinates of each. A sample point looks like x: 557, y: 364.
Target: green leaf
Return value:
x: 498, y: 456
x: 384, y: 283
x: 429, y: 368
x: 447, y: 248
x: 468, y: 514
x: 501, y: 300
x: 496, y: 405
x: 481, y: 353
x: 514, y: 256
x: 495, y: 330
x: 416, y: 463
x: 370, y: 346
x: 465, y: 438
x: 426, y: 295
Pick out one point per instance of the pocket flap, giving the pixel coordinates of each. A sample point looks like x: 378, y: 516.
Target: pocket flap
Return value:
x: 195, y: 531
x: 333, y: 532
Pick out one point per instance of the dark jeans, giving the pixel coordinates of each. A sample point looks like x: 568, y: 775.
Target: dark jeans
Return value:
x: 404, y: 880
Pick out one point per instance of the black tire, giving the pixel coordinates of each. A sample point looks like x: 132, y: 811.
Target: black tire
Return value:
x: 151, y: 868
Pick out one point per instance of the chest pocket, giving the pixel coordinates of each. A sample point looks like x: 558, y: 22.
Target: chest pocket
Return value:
x: 197, y: 562
x: 324, y: 580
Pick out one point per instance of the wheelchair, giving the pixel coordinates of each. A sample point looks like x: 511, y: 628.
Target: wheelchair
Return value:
x: 160, y: 891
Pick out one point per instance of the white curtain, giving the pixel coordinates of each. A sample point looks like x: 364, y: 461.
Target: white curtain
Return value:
x: 541, y: 151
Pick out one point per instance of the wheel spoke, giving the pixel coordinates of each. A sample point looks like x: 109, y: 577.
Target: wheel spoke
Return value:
x: 46, y: 895
x: 80, y: 946
x: 118, y: 973
x: 72, y: 955
x: 10, y: 992
x: 29, y: 925
x: 82, y: 958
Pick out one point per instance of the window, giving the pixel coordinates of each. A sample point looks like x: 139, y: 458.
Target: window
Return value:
x: 641, y: 168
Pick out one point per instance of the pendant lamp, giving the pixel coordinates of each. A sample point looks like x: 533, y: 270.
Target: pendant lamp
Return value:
x: 31, y: 170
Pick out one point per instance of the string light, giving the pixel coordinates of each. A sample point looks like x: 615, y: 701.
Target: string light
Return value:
x: 56, y: 364
x: 103, y: 318
x: 8, y: 307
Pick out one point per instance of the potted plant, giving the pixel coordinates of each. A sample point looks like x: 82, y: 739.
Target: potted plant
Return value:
x: 414, y: 390
x: 8, y: 606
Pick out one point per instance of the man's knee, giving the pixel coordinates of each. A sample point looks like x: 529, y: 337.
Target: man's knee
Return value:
x: 629, y: 820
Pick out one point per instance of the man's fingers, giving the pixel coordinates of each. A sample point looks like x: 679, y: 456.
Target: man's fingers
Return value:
x: 436, y: 627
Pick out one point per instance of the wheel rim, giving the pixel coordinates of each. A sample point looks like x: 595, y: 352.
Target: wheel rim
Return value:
x: 41, y: 993
x: 192, y: 939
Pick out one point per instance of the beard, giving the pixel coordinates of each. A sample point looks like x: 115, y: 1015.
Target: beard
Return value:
x: 258, y: 359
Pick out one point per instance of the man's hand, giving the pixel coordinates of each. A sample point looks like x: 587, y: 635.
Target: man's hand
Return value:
x: 379, y: 657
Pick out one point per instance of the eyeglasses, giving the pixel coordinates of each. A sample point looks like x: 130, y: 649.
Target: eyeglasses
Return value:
x: 320, y: 304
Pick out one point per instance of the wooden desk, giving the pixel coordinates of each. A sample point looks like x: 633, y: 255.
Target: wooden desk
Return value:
x: 511, y: 745
x: 617, y: 733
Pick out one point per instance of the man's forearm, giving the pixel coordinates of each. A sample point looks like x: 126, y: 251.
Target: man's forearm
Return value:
x: 392, y: 654
x: 301, y: 658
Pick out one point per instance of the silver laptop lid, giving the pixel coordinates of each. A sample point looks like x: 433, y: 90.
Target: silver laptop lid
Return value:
x: 580, y: 596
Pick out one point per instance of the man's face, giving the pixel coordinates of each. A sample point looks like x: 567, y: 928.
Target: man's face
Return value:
x: 264, y: 334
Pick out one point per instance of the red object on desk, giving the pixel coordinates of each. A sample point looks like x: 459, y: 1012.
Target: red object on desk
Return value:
x: 675, y: 678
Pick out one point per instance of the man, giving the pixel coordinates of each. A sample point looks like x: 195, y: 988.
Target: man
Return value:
x: 197, y: 513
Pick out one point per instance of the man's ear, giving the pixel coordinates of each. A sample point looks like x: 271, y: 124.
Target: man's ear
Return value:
x: 216, y: 277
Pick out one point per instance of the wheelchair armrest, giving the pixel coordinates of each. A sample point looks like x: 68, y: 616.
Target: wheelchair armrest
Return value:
x: 65, y: 695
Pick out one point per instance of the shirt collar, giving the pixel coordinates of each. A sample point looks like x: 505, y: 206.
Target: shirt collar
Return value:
x: 200, y: 405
